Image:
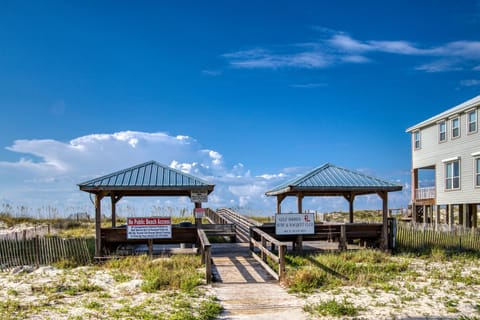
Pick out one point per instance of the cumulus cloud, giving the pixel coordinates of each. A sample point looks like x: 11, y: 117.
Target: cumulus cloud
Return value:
x: 337, y: 47
x: 48, y: 171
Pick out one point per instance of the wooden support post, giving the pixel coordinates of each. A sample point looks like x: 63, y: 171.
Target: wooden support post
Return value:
x: 460, y: 214
x: 466, y: 216
x: 437, y: 216
x: 114, y: 199
x: 414, y: 188
x: 300, y: 202
x: 198, y: 222
x: 447, y: 214
x: 98, y: 225
x: 264, y: 246
x: 281, y: 265
x: 208, y: 264
x: 424, y: 215
x: 250, y: 239
x: 114, y: 211
x: 150, y: 248
x: 280, y: 198
x: 451, y: 215
x: 350, y: 209
x: 384, y: 196
x: 299, y: 246
x: 350, y: 197
x: 474, y: 216
x: 343, y: 237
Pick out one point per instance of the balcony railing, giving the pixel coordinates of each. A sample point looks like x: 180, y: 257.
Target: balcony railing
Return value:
x: 425, y: 193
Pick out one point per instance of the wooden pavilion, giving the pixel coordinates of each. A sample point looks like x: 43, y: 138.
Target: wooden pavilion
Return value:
x: 146, y: 179
x: 330, y: 180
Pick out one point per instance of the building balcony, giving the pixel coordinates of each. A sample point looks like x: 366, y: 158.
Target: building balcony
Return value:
x: 425, y: 193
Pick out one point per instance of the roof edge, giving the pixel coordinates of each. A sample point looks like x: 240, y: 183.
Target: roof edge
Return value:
x: 458, y: 108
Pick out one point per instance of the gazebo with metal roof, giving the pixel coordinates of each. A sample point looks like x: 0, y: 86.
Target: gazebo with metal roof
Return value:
x: 146, y: 179
x: 330, y: 180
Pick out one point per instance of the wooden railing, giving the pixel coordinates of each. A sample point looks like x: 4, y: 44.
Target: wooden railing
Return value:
x: 214, y: 218
x: 425, y: 193
x: 241, y: 222
x: 259, y: 240
x: 220, y: 230
x: 205, y: 249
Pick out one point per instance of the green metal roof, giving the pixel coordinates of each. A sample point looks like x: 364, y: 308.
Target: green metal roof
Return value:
x: 330, y: 179
x: 146, y: 176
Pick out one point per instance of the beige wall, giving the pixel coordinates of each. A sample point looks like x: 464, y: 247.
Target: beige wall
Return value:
x: 432, y: 153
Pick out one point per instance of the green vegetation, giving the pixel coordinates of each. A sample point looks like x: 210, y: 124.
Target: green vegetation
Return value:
x: 333, y: 308
x: 172, y: 284
x: 329, y: 270
x: 359, y: 216
x: 175, y: 272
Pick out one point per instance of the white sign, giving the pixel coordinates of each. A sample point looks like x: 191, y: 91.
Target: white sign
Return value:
x: 199, y: 196
x: 199, y: 213
x: 149, y: 228
x: 294, y: 223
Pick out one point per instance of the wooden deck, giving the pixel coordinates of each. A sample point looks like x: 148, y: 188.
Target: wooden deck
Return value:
x: 246, y: 290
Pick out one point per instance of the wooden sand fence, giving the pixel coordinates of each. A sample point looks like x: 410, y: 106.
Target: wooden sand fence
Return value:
x: 25, y: 233
x: 418, y: 237
x: 43, y: 251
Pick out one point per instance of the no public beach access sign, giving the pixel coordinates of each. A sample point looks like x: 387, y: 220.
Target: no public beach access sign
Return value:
x: 149, y: 228
x: 294, y: 223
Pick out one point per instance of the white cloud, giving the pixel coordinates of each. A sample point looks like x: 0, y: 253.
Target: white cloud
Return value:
x: 355, y: 59
x: 309, y: 85
x: 439, y: 66
x: 339, y: 47
x: 470, y: 82
x: 345, y: 43
x: 48, y: 172
x: 261, y: 58
x: 212, y: 73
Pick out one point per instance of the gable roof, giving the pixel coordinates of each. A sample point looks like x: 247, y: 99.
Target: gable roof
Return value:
x: 329, y: 179
x: 148, y: 176
x: 474, y: 102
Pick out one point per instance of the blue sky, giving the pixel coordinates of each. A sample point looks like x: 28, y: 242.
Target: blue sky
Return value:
x: 245, y: 94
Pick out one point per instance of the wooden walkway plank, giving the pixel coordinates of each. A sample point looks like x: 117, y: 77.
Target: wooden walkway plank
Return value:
x: 246, y: 290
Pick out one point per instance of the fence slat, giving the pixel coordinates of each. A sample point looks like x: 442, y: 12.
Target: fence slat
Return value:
x: 39, y: 250
x: 420, y: 237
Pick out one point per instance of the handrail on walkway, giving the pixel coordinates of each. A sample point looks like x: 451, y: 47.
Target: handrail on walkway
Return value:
x: 205, y: 249
x: 262, y: 246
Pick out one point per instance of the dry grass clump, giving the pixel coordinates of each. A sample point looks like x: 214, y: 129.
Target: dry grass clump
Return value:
x: 329, y: 270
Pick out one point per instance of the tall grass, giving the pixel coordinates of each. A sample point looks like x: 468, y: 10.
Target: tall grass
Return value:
x: 329, y: 270
x: 175, y: 272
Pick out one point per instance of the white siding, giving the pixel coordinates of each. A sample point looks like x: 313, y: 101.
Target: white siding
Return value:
x: 432, y: 153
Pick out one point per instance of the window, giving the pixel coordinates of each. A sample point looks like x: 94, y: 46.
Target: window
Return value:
x: 442, y: 131
x: 416, y: 140
x: 455, y: 128
x: 472, y: 121
x: 452, y: 175
x: 477, y: 172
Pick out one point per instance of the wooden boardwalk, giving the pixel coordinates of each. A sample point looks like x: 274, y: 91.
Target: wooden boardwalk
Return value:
x: 246, y: 290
